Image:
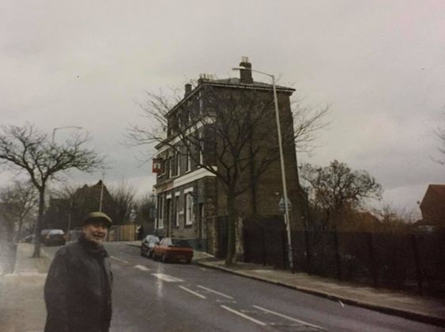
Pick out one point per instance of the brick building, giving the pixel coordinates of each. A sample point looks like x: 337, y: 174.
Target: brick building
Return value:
x: 222, y: 129
x: 69, y: 213
x: 433, y: 207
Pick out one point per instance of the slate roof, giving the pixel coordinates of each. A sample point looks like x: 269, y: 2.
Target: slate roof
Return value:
x: 236, y: 81
x: 438, y: 189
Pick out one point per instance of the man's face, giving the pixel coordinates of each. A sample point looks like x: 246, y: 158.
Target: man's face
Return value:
x: 95, y: 232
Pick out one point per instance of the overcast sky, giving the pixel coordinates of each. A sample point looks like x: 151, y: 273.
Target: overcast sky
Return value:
x: 379, y: 64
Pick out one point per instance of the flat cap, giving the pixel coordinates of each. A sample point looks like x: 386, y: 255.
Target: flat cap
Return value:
x: 93, y: 217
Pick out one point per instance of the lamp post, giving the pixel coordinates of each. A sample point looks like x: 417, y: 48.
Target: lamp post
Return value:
x: 71, y: 200
x: 58, y: 128
x: 69, y: 219
x: 283, y: 172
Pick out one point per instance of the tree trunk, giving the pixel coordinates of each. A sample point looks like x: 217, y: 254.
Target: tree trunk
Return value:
x: 19, y: 231
x: 10, y: 228
x: 38, y: 227
x: 231, y: 239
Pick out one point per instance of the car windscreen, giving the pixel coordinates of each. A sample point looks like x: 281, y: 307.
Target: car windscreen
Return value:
x: 180, y: 243
x: 56, y: 231
x: 52, y: 231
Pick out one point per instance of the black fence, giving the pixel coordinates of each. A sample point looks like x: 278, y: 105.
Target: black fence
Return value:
x: 413, y: 262
x: 222, y: 231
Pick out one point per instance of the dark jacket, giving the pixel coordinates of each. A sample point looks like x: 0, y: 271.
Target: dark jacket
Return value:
x: 78, y: 289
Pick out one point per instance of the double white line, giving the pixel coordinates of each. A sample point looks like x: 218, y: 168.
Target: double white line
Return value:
x: 273, y: 313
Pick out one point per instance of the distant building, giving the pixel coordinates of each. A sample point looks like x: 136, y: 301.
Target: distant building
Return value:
x: 64, y: 213
x: 190, y: 198
x: 432, y: 208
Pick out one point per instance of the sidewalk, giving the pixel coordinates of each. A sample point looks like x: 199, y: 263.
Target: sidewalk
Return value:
x: 423, y: 309
x: 22, y: 308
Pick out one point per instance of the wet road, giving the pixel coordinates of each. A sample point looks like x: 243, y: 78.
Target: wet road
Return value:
x: 152, y: 296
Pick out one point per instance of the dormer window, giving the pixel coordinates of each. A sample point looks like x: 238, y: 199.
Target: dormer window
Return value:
x: 179, y: 121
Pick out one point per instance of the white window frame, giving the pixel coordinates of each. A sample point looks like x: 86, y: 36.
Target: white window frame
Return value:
x: 160, y: 212
x: 189, y: 161
x: 178, y: 163
x: 170, y: 173
x: 189, y: 206
x: 201, y: 148
x: 177, y: 209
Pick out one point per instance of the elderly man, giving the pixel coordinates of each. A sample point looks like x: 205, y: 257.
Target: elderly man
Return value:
x: 78, y: 287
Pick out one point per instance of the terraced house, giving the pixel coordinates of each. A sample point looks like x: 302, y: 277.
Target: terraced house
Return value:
x: 220, y: 154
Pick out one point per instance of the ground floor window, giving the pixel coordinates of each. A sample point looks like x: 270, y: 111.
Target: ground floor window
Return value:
x: 177, y: 211
x: 189, y: 215
x: 161, y: 212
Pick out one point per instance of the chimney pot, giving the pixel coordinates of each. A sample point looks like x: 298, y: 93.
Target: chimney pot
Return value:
x: 245, y: 74
x: 188, y: 89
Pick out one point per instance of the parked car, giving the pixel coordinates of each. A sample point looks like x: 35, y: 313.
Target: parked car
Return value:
x: 74, y: 235
x: 52, y: 237
x: 171, y: 249
x: 147, y: 245
x: 29, y: 238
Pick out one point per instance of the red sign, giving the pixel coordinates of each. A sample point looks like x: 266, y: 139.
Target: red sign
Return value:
x: 157, y: 165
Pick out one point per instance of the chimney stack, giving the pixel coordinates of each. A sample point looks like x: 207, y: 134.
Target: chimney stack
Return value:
x: 245, y: 74
x: 188, y: 89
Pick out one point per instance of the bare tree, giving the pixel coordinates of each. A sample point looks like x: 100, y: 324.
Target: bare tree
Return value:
x: 124, y: 201
x: 440, y: 136
x: 18, y: 203
x: 30, y: 151
x: 395, y: 220
x: 335, y: 190
x: 309, y: 121
x: 337, y: 187
x: 229, y: 129
x: 146, y: 206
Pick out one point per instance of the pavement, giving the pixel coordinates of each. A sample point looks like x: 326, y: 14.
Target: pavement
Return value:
x: 22, y: 308
x: 418, y: 308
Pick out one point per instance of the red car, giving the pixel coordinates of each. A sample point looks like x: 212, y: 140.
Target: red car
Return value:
x: 170, y: 249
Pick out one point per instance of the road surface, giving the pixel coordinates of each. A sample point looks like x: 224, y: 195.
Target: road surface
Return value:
x: 152, y: 296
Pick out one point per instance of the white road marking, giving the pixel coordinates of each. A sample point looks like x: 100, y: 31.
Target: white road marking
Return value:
x: 225, y: 301
x: 244, y: 316
x: 166, y: 277
x: 120, y: 260
x: 290, y: 318
x: 341, y: 303
x: 192, y: 292
x: 141, y: 267
x: 218, y: 293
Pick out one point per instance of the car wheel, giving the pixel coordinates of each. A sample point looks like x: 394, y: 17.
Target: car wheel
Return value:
x: 150, y: 254
x: 188, y: 261
x: 164, y: 259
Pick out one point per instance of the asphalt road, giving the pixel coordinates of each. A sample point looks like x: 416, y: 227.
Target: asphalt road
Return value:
x: 152, y: 296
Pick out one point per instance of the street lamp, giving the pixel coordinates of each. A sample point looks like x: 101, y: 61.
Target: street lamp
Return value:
x: 58, y: 128
x: 71, y: 201
x: 283, y: 172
